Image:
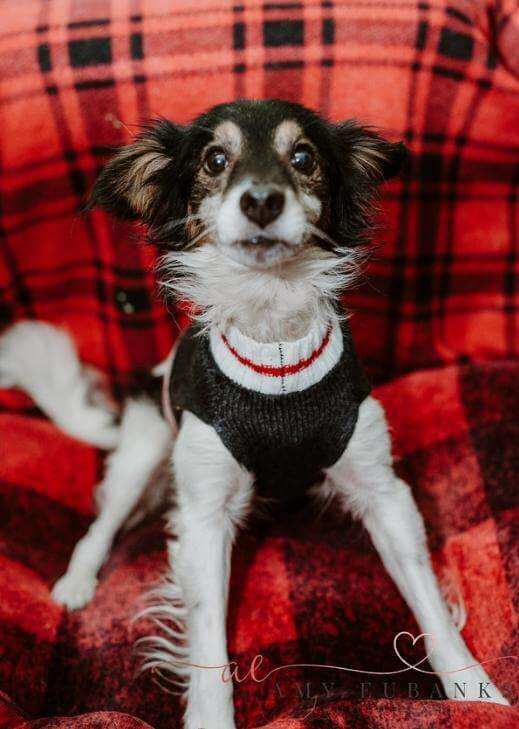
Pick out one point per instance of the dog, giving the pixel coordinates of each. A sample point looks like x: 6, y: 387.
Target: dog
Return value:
x: 265, y: 210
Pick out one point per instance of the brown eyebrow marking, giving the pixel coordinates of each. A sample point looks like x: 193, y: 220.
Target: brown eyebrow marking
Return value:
x: 229, y: 136
x: 286, y: 134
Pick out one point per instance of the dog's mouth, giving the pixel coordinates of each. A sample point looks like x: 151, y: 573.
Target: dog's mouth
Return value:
x: 260, y: 251
x: 261, y: 241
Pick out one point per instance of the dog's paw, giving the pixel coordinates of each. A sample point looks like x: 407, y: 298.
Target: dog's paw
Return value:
x: 74, y: 591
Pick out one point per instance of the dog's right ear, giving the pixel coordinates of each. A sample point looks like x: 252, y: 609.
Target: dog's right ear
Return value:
x: 129, y: 185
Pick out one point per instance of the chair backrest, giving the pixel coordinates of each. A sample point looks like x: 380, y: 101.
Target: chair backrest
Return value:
x: 77, y: 78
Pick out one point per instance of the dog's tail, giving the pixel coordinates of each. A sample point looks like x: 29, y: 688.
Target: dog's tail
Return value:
x: 42, y: 360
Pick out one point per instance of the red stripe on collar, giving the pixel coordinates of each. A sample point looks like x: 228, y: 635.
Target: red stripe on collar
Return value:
x: 283, y: 370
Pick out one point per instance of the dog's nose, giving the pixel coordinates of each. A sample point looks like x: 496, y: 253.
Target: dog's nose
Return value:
x: 262, y: 204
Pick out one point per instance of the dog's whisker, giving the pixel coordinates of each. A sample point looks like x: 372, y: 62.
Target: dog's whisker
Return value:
x: 321, y: 234
x: 207, y: 231
x: 163, y: 236
x: 186, y: 219
x: 352, y: 255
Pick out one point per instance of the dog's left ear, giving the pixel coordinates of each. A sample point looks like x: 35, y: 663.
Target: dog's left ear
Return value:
x: 370, y: 154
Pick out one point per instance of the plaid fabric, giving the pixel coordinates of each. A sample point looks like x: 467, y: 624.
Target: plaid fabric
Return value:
x: 299, y: 593
x: 442, y: 287
x: 440, y: 74
x: 435, y: 716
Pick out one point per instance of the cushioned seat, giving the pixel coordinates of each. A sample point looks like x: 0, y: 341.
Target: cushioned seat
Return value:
x: 305, y: 589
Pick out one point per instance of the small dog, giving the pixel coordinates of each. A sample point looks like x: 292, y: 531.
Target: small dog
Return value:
x: 263, y: 207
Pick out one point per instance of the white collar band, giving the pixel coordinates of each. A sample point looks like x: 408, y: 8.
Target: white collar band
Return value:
x: 277, y: 368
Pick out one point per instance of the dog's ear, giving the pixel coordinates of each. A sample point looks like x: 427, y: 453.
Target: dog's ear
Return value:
x: 370, y: 155
x: 129, y: 185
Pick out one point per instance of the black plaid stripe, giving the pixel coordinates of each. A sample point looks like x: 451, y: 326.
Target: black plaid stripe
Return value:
x: 399, y: 272
x: 491, y: 400
x: 78, y: 183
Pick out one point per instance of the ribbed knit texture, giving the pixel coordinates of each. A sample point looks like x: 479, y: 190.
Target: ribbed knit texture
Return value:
x: 285, y: 440
x: 299, y: 364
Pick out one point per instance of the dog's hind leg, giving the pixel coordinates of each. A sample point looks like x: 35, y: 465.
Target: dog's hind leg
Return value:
x: 144, y: 445
x: 364, y: 480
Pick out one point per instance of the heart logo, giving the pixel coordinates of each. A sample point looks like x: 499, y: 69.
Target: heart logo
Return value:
x: 414, y: 641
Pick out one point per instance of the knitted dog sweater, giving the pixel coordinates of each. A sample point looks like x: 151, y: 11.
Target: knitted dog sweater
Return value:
x: 285, y: 410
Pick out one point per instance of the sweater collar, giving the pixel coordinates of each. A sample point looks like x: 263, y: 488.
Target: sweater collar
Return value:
x: 277, y: 368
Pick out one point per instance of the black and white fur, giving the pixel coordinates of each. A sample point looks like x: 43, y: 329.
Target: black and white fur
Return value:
x: 262, y: 208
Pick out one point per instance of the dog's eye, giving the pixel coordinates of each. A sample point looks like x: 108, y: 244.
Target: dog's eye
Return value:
x: 216, y: 161
x: 303, y: 159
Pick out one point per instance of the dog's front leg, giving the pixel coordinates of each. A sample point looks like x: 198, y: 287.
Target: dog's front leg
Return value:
x: 365, y: 480
x: 213, y: 496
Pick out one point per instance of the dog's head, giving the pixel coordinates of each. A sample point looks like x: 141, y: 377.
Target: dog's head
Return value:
x: 260, y: 180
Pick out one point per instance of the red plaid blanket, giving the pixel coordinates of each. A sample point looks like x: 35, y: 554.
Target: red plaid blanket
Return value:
x: 441, y: 290
x: 297, y: 595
